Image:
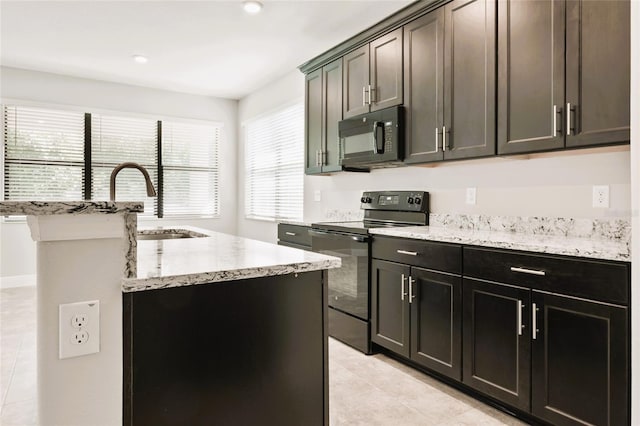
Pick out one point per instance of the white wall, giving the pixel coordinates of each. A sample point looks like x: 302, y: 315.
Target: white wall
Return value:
x: 284, y: 91
x: 635, y: 228
x: 547, y: 185
x: 17, y: 251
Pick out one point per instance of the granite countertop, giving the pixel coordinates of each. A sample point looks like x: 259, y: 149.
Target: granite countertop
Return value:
x: 36, y: 208
x: 552, y: 244
x: 214, y: 258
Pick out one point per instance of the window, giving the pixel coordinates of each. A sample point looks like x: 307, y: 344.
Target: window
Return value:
x: 274, y: 169
x: 64, y: 155
x: 43, y: 154
x: 115, y: 140
x: 190, y: 169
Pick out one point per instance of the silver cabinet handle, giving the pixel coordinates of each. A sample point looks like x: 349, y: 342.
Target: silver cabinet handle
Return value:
x: 444, y: 138
x: 318, y: 158
x: 411, y: 295
x: 402, y: 293
x: 534, y: 321
x: 370, y: 90
x: 528, y: 271
x: 437, y: 137
x: 568, y: 119
x: 293, y: 234
x: 364, y: 95
x: 519, y: 314
x: 410, y: 253
x: 555, y: 121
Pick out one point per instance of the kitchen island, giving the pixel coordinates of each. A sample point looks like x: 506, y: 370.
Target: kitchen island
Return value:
x: 197, y: 324
x: 225, y: 330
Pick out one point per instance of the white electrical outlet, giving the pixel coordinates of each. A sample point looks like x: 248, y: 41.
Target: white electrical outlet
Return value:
x: 317, y: 195
x: 471, y: 195
x: 79, y: 329
x: 601, y: 196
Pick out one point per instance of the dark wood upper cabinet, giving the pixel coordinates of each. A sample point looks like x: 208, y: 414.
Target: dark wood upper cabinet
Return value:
x: 323, y: 112
x: 598, y: 72
x: 331, y: 115
x: 450, y: 82
x: 530, y: 75
x: 564, y: 74
x: 469, y: 79
x: 313, y: 121
x: 373, y: 75
x: 356, y: 82
x: 579, y: 361
x: 423, y: 87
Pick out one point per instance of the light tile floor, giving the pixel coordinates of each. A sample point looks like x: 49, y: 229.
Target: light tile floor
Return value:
x: 364, y: 390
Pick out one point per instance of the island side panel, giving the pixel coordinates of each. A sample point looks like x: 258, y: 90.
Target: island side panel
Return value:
x: 248, y: 352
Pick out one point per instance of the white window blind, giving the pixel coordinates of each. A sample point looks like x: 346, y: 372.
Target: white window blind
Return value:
x: 43, y: 154
x: 274, y: 167
x: 115, y: 140
x: 190, y: 169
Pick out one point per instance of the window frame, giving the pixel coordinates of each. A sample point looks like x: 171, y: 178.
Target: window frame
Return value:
x: 88, y: 165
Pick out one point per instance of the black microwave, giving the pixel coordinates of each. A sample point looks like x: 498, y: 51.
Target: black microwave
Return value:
x: 373, y: 139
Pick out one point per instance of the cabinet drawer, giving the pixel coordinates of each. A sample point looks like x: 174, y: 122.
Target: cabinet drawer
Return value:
x: 592, y: 279
x: 295, y: 234
x: 426, y: 254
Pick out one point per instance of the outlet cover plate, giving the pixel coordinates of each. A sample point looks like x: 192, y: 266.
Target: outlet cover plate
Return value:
x: 471, y: 196
x: 79, y: 329
x: 601, y: 196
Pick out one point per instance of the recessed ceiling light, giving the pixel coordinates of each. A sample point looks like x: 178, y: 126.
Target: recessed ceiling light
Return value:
x: 140, y: 59
x: 252, y: 7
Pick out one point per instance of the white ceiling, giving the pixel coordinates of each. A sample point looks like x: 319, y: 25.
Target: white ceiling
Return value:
x: 209, y: 47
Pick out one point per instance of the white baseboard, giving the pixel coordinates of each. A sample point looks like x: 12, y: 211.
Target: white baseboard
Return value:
x: 17, y: 281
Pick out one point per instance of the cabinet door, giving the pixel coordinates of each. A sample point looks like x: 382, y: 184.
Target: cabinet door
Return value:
x: 423, y: 87
x: 470, y: 75
x: 530, y: 75
x: 598, y: 72
x: 390, y: 306
x: 332, y: 114
x: 356, y: 82
x: 496, y: 359
x: 579, y: 362
x: 313, y: 121
x: 436, y: 321
x: 386, y: 70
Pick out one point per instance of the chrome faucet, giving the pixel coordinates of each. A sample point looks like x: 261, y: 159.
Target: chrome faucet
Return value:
x: 129, y: 165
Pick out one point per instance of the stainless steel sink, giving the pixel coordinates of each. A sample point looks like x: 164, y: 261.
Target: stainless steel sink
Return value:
x: 165, y: 236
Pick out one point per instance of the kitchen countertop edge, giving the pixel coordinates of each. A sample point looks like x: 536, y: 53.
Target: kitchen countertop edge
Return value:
x: 559, y: 245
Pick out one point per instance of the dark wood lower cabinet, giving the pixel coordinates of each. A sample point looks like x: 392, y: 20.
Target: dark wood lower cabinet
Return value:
x: 246, y: 352
x: 579, y: 362
x: 416, y: 313
x: 436, y: 321
x: 496, y: 341
x: 389, y: 313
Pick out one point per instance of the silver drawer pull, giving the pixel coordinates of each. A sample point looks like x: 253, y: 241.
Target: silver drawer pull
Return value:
x: 528, y: 271
x: 293, y: 234
x: 410, y: 253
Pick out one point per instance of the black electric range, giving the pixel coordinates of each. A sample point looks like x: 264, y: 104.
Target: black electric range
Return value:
x: 349, y: 286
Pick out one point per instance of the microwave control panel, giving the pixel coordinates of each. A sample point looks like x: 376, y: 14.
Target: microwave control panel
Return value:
x: 417, y: 201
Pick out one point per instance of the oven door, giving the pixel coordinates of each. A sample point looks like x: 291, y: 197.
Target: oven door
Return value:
x: 349, y: 284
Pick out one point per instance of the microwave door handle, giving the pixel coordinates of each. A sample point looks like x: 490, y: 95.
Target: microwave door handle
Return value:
x: 378, y: 138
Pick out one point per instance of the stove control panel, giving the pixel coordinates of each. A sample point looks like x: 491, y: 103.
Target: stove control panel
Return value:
x: 417, y: 201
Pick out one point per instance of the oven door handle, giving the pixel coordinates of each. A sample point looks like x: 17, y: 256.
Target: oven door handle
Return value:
x: 322, y: 234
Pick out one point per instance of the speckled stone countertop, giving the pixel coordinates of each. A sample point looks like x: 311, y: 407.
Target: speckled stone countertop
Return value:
x: 594, y: 248
x: 214, y: 258
x: 35, y: 208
